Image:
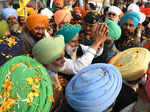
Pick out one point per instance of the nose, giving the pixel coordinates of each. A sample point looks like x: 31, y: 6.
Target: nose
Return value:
x: 128, y: 27
x: 41, y: 31
x: 87, y: 28
x: 13, y: 21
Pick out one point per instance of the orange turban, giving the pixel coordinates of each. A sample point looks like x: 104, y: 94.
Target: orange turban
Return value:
x: 35, y: 20
x: 146, y: 11
x: 61, y: 2
x: 62, y: 15
x: 121, y: 14
x: 84, y: 13
x: 78, y: 9
x: 81, y: 11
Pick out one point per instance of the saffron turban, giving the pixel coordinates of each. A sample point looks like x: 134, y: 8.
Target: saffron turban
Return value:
x: 6, y: 12
x: 48, y: 50
x: 78, y: 9
x: 62, y: 16
x: 146, y: 11
x: 25, y: 86
x: 94, y: 88
x: 135, y: 16
x: 35, y: 20
x: 132, y: 63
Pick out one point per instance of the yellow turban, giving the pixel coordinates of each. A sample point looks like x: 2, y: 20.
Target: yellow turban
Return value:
x: 132, y: 63
x: 35, y: 20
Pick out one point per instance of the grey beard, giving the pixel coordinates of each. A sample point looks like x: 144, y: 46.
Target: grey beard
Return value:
x: 54, y: 68
x: 14, y: 28
x: 71, y: 51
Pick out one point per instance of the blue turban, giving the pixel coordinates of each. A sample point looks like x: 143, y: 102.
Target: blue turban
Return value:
x: 9, y: 12
x: 135, y: 16
x: 94, y: 89
x: 10, y: 46
x: 69, y: 31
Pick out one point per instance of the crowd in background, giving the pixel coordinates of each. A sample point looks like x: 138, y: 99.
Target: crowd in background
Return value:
x: 75, y: 56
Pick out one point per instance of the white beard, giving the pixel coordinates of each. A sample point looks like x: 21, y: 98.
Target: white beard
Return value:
x: 71, y: 51
x: 54, y: 68
x: 14, y: 27
x: 116, y: 19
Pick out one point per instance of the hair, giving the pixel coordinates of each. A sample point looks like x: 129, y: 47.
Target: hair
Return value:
x: 16, y: 6
x: 92, y: 6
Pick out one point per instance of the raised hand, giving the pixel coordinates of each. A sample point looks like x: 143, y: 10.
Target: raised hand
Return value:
x: 101, y: 34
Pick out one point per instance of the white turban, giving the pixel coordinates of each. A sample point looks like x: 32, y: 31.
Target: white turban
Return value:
x: 115, y: 10
x: 47, y: 12
x: 143, y: 17
x: 133, y: 7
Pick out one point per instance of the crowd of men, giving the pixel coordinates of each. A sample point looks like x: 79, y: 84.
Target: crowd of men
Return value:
x: 67, y: 58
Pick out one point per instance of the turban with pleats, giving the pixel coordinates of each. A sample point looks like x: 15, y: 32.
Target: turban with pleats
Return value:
x: 25, y: 86
x: 95, y: 88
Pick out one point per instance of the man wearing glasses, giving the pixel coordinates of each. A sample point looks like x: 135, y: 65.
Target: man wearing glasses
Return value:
x: 114, y: 14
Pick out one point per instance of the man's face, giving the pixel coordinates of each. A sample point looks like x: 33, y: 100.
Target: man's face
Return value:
x: 128, y: 28
x: 87, y: 6
x: 38, y: 32
x: 13, y: 24
x: 74, y: 42
x: 78, y: 13
x: 58, y: 65
x: 90, y: 29
x: 58, y: 5
x: 60, y: 61
x: 112, y: 16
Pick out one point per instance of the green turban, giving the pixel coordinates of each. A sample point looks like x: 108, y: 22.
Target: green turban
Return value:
x: 48, y: 50
x: 107, y: 5
x: 69, y: 31
x: 25, y: 86
x: 4, y: 27
x: 114, y: 29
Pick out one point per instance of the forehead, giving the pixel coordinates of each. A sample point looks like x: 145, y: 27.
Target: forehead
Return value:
x: 12, y: 17
x: 40, y: 26
x: 129, y: 21
x: 88, y: 24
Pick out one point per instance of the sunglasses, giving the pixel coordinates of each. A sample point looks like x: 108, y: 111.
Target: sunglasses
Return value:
x: 130, y: 25
x: 110, y: 13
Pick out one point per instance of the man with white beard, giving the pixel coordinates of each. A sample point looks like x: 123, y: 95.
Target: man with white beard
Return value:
x: 11, y: 16
x: 113, y: 14
x: 50, y: 52
x: 74, y: 50
x: 46, y: 50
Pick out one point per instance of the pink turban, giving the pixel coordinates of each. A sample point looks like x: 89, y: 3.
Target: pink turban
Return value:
x: 62, y: 16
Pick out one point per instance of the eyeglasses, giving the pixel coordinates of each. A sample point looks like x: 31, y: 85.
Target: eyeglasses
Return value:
x: 130, y: 25
x: 113, y: 14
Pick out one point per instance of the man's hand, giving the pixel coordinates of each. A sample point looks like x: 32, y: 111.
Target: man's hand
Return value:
x: 100, y: 36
